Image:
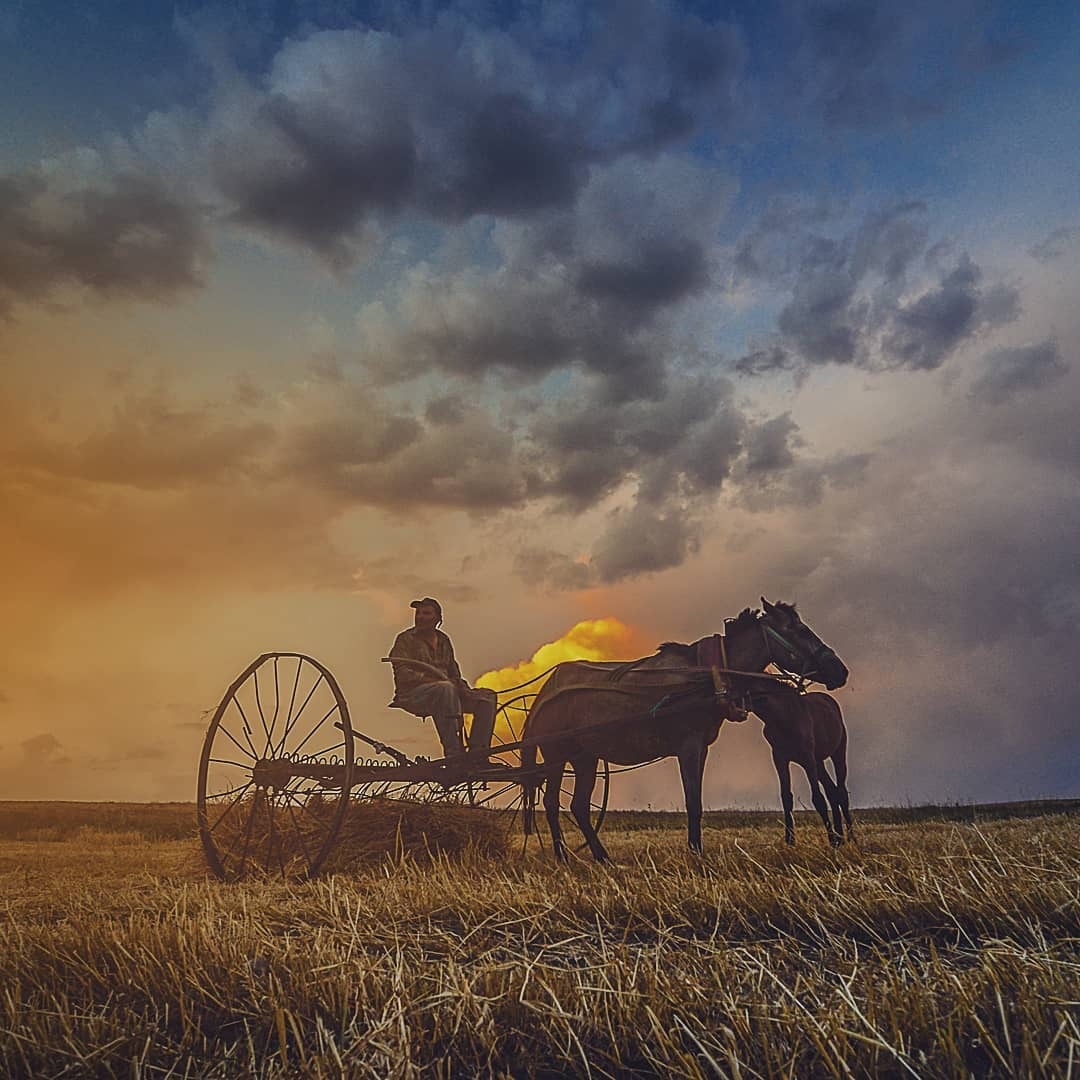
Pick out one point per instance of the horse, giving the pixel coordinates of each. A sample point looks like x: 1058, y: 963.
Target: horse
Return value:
x: 666, y: 705
x: 809, y: 730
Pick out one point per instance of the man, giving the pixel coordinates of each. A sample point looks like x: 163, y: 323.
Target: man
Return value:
x: 428, y: 682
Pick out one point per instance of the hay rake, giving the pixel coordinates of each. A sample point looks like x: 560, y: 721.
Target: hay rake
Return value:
x: 279, y: 771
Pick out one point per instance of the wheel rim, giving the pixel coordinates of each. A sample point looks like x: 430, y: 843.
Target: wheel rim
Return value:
x: 276, y: 770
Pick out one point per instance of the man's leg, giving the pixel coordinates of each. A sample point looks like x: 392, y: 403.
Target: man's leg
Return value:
x: 482, y: 705
x: 439, y: 700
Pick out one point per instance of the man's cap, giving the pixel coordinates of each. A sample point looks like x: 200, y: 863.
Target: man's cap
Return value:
x: 429, y: 600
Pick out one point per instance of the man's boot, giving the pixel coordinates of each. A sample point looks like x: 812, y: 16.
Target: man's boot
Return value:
x: 449, y: 730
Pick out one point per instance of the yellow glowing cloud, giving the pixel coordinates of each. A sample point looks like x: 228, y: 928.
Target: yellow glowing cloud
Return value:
x: 591, y: 639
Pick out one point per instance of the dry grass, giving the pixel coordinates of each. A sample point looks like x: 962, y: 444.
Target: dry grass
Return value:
x: 928, y: 949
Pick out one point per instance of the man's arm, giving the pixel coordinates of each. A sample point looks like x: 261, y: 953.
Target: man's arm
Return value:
x: 406, y: 676
x: 452, y: 670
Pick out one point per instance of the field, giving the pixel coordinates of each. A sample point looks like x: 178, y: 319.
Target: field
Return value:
x: 942, y: 943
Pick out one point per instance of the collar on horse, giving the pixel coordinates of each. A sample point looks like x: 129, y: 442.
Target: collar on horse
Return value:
x: 712, y: 654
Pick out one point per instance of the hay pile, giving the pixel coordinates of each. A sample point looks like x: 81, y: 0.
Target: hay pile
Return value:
x: 249, y: 839
x: 375, y: 829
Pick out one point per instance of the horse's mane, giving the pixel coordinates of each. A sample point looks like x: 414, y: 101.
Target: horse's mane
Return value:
x: 746, y: 617
x: 687, y: 651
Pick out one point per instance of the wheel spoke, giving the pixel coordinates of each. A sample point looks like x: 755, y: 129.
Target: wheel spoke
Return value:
x: 510, y: 786
x: 228, y: 809
x: 277, y: 703
x: 228, y: 734
x: 332, y: 710
x: 246, y: 834
x: 228, y: 761
x: 225, y: 794
x: 262, y: 715
x: 299, y: 829
x: 292, y: 702
x: 299, y: 713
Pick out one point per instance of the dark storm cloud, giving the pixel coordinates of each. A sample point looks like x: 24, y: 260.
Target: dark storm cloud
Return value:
x: 769, y: 447
x: 299, y: 178
x: 361, y: 451
x: 1011, y: 371
x: 455, y: 119
x: 639, y: 540
x: 765, y: 361
x: 681, y: 442
x: 129, y: 236
x: 658, y: 275
x: 681, y: 459
x: 861, y: 298
x: 820, y: 320
x: 594, y: 287
x: 890, y: 240
x: 551, y: 569
x: 927, y: 330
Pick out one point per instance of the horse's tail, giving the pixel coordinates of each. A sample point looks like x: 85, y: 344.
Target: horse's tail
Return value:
x: 529, y: 788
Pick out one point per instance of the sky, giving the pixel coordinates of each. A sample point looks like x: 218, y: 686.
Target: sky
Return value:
x: 558, y: 313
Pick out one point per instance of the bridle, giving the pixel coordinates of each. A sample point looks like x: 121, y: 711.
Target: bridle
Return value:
x: 796, y: 663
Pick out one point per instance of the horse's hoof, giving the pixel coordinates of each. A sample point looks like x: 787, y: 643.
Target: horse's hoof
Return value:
x: 836, y: 841
x: 789, y: 840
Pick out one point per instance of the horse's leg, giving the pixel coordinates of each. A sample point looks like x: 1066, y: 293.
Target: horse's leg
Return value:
x: 817, y: 796
x: 839, y: 760
x: 832, y: 793
x: 584, y: 782
x: 692, y: 769
x: 552, y: 787
x: 787, y: 800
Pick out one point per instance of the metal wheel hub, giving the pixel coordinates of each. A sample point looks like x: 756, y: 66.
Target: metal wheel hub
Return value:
x: 272, y: 773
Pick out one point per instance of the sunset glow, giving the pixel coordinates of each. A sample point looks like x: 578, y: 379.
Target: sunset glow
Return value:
x: 551, y: 311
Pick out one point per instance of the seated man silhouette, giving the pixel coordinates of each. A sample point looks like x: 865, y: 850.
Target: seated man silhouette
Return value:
x: 428, y: 682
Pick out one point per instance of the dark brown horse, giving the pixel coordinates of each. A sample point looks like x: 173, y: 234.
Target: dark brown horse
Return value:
x: 807, y: 729
x: 662, y: 706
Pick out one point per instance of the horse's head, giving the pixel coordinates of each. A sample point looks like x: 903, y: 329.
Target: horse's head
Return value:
x: 795, y: 648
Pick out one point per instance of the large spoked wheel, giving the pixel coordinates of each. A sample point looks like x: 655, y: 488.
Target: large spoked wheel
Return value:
x: 508, y: 797
x: 276, y: 770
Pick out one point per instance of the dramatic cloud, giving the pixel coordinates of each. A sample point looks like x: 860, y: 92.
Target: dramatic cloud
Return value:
x: 595, y: 287
x: 863, y: 298
x: 128, y: 236
x: 927, y: 329
x: 1010, y: 371
x: 640, y: 540
x: 452, y: 120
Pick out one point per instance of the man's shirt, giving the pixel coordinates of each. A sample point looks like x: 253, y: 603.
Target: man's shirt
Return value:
x: 410, y: 645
